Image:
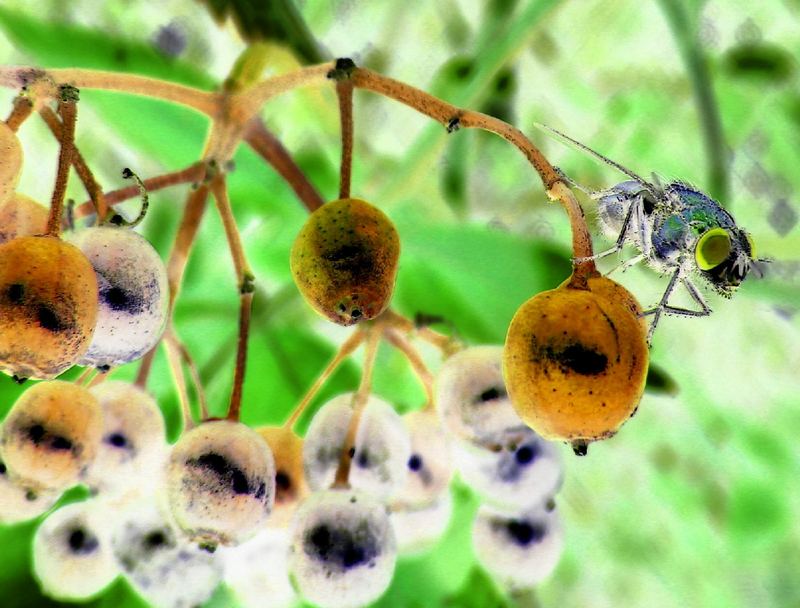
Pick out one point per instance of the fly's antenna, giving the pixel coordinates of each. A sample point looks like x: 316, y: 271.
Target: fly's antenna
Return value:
x: 597, y: 155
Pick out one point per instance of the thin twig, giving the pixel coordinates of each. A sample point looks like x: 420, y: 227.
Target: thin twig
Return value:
x: 344, y: 92
x: 266, y: 145
x: 184, y: 239
x: 360, y: 399
x: 101, y: 377
x: 244, y: 279
x: 145, y: 367
x: 245, y: 308
x: 174, y: 359
x: 415, y: 359
x: 85, y: 376
x: 349, y: 345
x: 195, y: 376
x: 93, y: 189
x: 447, y: 344
x: 69, y: 114
x: 22, y: 108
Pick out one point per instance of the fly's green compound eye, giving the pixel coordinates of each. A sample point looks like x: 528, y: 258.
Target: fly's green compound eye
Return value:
x: 713, y: 248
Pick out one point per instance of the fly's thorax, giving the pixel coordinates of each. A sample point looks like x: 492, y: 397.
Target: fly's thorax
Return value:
x: 613, y: 205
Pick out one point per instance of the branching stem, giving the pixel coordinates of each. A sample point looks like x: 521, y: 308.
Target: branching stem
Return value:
x: 67, y: 107
x: 93, y: 189
x: 349, y: 345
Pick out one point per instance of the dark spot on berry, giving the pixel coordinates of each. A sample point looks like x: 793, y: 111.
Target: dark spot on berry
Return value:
x: 490, y: 394
x: 15, y: 293
x: 356, y: 313
x: 575, y: 358
x: 3, y: 468
x: 116, y: 298
x: 282, y: 481
x: 81, y: 543
x: 48, y: 319
x: 60, y: 443
x: 36, y: 433
x: 524, y: 533
x: 526, y: 454
x: 363, y: 460
x: 225, y: 471
x: 341, y: 547
x: 415, y: 462
x: 155, y: 539
x: 118, y: 440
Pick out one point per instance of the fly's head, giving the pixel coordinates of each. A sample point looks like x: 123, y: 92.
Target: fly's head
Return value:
x: 724, y: 257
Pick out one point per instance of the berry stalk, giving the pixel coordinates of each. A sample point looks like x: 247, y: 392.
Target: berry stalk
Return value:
x: 93, y: 189
x: 69, y: 114
x: 415, y: 360
x: 19, y: 112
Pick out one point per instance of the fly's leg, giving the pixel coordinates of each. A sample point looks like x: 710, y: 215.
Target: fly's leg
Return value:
x: 623, y: 266
x: 664, y: 308
x: 635, y: 208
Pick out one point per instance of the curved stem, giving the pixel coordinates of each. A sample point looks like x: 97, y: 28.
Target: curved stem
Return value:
x: 272, y: 151
x: 193, y: 173
x: 454, y: 118
x: 582, y: 268
x: 416, y: 361
x: 45, y: 83
x: 246, y: 104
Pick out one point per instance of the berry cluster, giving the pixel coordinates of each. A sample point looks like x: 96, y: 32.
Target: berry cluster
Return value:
x: 321, y: 517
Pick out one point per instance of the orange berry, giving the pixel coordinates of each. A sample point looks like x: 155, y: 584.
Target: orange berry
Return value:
x: 344, y: 260
x: 10, y: 161
x: 48, y: 306
x: 575, y: 361
x: 290, y: 483
x: 20, y: 215
x: 51, y: 435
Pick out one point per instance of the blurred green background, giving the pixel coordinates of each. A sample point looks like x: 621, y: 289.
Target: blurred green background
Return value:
x: 696, y: 501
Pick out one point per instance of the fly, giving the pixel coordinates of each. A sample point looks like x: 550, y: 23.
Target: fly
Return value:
x: 677, y: 229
